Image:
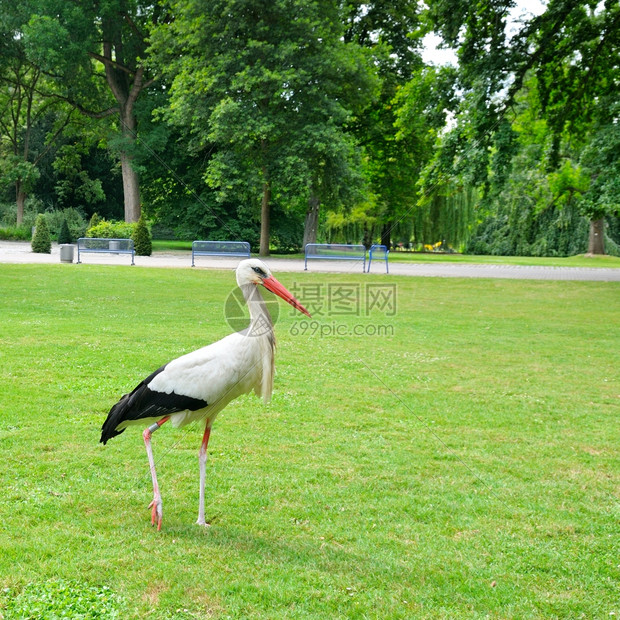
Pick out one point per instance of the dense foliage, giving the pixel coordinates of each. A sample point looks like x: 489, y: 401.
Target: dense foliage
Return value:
x: 283, y: 123
x: 536, y: 124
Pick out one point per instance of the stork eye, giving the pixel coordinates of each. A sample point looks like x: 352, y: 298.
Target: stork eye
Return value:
x: 259, y: 271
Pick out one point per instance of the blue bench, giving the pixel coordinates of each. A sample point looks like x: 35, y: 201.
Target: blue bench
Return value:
x: 97, y: 245
x: 380, y: 250
x: 335, y: 251
x: 220, y: 248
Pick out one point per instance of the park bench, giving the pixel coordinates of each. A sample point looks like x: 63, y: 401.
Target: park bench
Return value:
x: 220, y: 248
x: 96, y: 245
x: 335, y: 251
x: 382, y: 253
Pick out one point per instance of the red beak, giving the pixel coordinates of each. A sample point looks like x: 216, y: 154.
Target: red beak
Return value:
x: 271, y: 284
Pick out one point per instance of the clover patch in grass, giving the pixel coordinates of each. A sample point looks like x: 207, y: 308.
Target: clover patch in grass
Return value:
x: 60, y: 599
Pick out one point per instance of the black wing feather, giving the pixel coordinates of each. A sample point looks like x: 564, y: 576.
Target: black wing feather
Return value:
x: 146, y: 403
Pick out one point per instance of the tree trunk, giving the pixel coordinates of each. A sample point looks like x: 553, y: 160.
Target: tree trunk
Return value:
x: 131, y: 183
x: 385, y: 235
x: 131, y: 188
x: 312, y: 219
x: 126, y: 93
x: 596, y: 242
x: 20, y: 197
x: 264, y: 219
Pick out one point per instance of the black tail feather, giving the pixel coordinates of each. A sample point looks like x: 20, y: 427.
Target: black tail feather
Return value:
x: 146, y: 403
x: 123, y: 409
x: 115, y: 417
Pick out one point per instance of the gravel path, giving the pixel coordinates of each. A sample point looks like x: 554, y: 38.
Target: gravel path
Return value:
x: 20, y: 252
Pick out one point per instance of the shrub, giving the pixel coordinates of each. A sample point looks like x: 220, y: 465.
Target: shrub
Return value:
x: 41, y: 242
x: 94, y: 220
x: 64, y: 236
x: 142, y: 238
x: 111, y: 230
x: 15, y: 233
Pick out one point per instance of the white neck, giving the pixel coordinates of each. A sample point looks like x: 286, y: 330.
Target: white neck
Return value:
x: 261, y: 328
x: 260, y: 319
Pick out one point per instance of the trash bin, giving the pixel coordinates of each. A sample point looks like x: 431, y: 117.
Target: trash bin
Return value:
x: 115, y: 244
x: 66, y: 252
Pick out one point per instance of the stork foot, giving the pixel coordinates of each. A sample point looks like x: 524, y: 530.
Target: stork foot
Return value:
x: 201, y: 521
x: 156, y: 507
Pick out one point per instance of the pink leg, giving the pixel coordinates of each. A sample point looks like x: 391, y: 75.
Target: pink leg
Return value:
x: 156, y: 505
x: 202, y: 460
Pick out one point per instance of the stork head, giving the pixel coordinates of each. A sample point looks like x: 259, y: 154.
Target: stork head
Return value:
x: 254, y: 271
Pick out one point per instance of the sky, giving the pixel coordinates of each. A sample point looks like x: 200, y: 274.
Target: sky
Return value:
x: 432, y: 54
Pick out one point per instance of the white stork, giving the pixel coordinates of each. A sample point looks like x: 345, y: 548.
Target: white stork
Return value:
x: 197, y: 386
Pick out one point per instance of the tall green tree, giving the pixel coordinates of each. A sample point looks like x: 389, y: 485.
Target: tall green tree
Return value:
x: 98, y: 67
x: 391, y: 32
x: 264, y: 85
x: 30, y: 119
x: 600, y: 159
x: 531, y: 206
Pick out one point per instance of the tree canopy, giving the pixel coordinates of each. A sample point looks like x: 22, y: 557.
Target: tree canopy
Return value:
x: 558, y: 73
x: 290, y: 121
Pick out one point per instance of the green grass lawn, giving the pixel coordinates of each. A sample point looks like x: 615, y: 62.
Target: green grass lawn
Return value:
x: 426, y: 257
x: 458, y: 460
x: 162, y: 245
x: 543, y: 261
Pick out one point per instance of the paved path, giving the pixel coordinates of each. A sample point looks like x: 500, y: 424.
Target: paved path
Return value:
x: 20, y: 252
